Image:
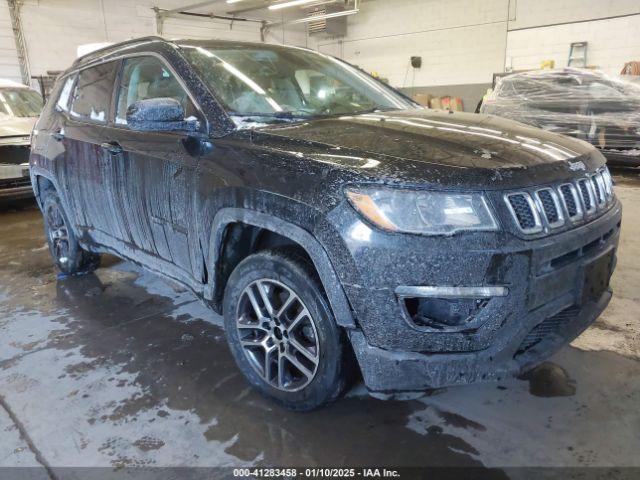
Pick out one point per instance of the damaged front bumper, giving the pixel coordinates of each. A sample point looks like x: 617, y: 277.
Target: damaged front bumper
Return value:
x: 389, y: 371
x: 506, y: 303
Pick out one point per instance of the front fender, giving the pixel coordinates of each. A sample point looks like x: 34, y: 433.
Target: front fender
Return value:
x: 336, y: 296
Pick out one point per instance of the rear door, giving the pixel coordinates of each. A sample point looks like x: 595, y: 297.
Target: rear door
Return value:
x: 87, y: 166
x: 155, y: 173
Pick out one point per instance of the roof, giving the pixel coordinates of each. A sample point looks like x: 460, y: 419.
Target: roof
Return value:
x: 114, y: 48
x: 96, y: 54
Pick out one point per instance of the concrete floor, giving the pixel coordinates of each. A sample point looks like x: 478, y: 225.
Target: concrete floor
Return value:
x: 121, y: 368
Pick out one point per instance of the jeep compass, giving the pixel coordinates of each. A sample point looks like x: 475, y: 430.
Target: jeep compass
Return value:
x: 331, y: 220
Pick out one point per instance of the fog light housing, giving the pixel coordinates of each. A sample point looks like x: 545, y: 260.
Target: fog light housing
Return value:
x: 440, y: 313
x: 445, y: 308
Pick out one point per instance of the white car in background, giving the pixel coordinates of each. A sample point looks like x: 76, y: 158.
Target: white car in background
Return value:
x: 20, y: 107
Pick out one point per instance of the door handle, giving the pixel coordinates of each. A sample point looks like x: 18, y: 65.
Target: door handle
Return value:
x: 113, y: 148
x: 58, y: 136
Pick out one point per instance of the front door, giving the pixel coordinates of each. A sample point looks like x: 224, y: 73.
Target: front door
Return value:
x: 155, y: 173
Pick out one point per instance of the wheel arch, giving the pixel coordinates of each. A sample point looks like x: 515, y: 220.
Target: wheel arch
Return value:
x: 306, y: 241
x: 41, y: 180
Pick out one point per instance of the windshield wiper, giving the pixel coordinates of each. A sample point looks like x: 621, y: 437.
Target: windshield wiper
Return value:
x: 275, y: 116
x: 373, y: 110
x: 293, y: 115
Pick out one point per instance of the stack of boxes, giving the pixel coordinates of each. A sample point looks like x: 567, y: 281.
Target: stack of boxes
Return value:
x: 439, y: 103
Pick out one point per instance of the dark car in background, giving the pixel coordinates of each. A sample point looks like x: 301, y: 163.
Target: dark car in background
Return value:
x: 20, y: 107
x: 326, y: 215
x: 585, y: 104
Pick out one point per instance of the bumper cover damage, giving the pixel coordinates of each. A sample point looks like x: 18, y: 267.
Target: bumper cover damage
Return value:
x: 388, y: 371
x: 557, y: 286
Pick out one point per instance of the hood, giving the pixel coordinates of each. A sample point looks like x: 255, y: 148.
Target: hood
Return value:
x: 452, y: 149
x: 16, y: 126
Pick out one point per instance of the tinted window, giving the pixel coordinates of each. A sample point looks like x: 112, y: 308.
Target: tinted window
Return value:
x: 93, y: 93
x: 65, y: 94
x: 148, y: 77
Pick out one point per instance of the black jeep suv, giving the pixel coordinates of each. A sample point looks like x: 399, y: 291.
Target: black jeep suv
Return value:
x: 326, y: 215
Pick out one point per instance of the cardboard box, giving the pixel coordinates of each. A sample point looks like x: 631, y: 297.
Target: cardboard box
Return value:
x: 436, y: 103
x: 423, y: 98
x: 456, y: 105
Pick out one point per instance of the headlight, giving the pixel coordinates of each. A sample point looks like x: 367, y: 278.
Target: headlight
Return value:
x: 429, y: 213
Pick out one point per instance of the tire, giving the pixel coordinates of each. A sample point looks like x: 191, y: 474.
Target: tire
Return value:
x: 307, y: 358
x: 67, y: 254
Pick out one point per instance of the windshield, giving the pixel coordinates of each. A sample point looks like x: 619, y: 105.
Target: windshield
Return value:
x: 276, y: 82
x: 21, y: 102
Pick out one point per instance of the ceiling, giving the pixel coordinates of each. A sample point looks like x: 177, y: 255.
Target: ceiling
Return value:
x: 255, y: 9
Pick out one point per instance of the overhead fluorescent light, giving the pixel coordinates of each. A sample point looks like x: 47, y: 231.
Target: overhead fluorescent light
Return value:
x: 324, y: 17
x: 291, y: 3
x: 233, y: 1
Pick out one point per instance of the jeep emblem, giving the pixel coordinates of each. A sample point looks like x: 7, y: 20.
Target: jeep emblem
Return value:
x: 575, y: 166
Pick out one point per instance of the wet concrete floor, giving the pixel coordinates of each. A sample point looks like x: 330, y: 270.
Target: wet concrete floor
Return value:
x: 122, y: 368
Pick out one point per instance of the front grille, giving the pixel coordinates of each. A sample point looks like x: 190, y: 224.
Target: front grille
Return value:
x: 14, y: 154
x: 550, y: 326
x: 15, y: 182
x: 570, y: 200
x: 598, y: 186
x: 523, y: 209
x: 583, y: 185
x: 551, y: 207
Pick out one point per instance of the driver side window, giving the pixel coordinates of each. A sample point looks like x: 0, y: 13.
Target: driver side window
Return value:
x: 144, y: 78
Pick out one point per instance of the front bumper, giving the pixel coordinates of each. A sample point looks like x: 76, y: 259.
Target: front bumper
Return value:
x: 15, y: 183
x: 546, y: 279
x: 16, y: 193
x: 389, y: 371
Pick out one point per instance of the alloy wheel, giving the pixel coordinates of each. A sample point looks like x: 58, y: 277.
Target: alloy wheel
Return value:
x: 278, y: 335
x: 58, y: 233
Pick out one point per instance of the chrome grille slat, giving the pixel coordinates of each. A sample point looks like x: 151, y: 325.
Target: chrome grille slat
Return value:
x: 548, y: 208
x: 598, y: 185
x: 523, y: 209
x: 608, y: 183
x: 597, y: 192
x: 586, y: 190
x: 571, y: 201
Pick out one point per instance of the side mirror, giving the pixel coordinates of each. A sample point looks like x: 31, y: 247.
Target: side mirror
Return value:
x: 159, y: 115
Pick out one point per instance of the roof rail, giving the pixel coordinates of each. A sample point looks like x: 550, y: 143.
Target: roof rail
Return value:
x: 101, y: 51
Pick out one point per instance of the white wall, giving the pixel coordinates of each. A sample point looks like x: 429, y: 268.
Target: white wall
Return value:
x: 9, y: 65
x: 460, y: 41
x: 466, y: 41
x: 54, y: 28
x: 612, y: 41
x: 535, y: 13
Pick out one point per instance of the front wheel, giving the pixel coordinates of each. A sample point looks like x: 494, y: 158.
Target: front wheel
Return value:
x: 63, y: 244
x: 281, y: 330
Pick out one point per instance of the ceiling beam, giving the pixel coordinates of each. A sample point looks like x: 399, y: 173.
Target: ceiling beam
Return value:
x: 193, y: 6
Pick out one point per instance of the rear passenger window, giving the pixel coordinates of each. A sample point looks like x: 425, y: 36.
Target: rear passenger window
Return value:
x: 93, y: 93
x: 65, y: 94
